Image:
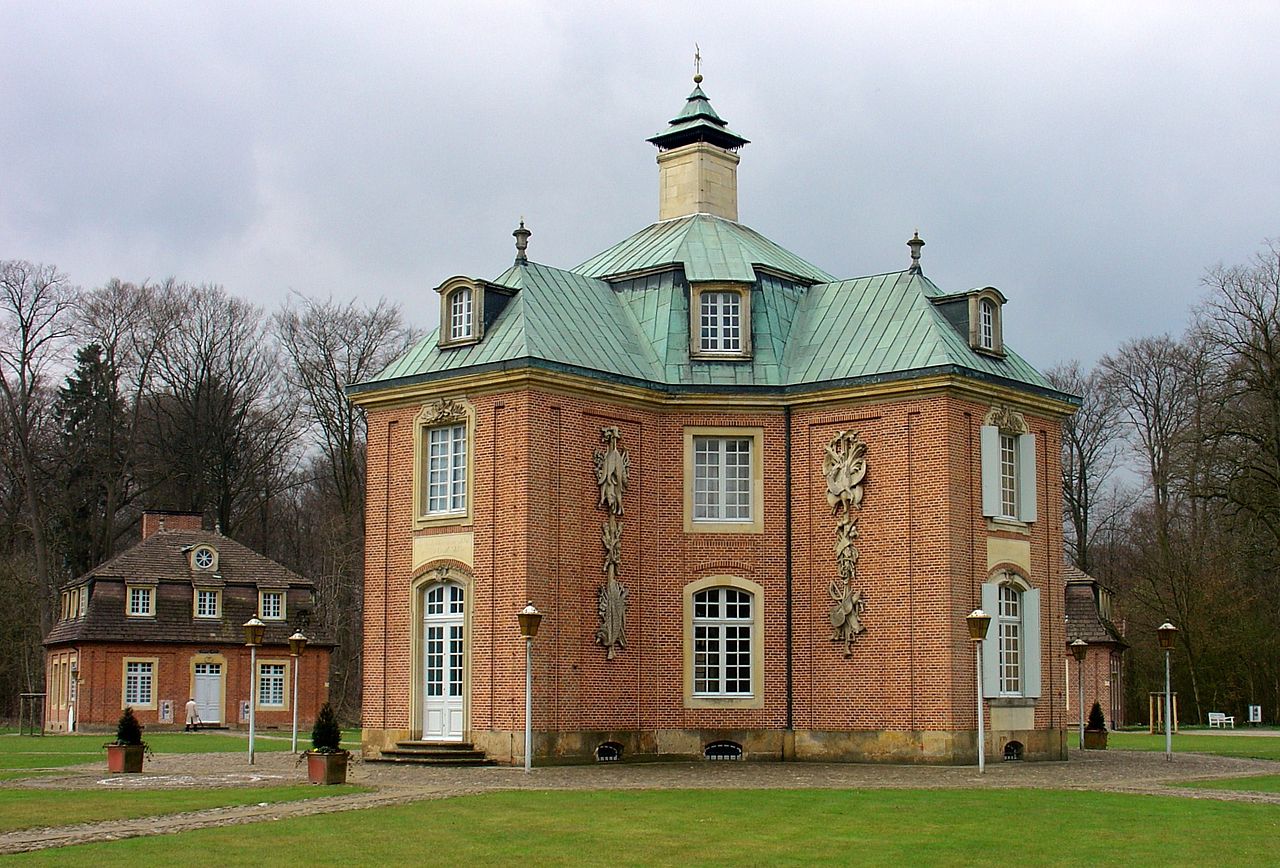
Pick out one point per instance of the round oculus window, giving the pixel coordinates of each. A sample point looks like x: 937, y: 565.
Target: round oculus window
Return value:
x: 203, y: 558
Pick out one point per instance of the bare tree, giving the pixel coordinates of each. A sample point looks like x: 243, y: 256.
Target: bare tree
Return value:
x: 1090, y: 453
x: 36, y: 304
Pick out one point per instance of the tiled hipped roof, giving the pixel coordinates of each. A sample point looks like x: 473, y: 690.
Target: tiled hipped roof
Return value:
x: 161, y: 560
x: 1083, y: 618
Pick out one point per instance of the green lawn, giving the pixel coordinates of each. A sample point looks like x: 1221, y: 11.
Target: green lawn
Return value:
x: 55, y: 751
x: 25, y: 809
x: 1256, y: 746
x: 735, y: 827
x: 1255, y: 784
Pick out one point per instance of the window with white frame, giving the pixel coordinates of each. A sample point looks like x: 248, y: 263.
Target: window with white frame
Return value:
x: 208, y: 603
x: 83, y: 602
x: 1011, y: 654
x: 446, y: 482
x: 271, y: 605
x: 722, y: 479
x: 139, y: 683
x: 722, y: 627
x: 141, y: 601
x: 1008, y: 476
x: 987, y: 324
x: 1008, y: 468
x: 1010, y: 640
x: 271, y: 685
x: 720, y: 322
x: 461, y: 324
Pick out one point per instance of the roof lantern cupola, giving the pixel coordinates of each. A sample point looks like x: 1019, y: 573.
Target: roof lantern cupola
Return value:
x: 697, y: 163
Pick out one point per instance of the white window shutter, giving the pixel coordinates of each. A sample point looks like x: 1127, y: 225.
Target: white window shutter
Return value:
x: 990, y: 436
x: 991, y: 646
x: 1026, y: 477
x: 1031, y: 643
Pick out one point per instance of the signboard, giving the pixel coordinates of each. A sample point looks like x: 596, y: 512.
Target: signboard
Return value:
x: 244, y: 711
x: 1255, y: 714
x: 166, y: 711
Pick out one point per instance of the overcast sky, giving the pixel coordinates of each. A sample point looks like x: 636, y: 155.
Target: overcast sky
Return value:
x: 1090, y: 160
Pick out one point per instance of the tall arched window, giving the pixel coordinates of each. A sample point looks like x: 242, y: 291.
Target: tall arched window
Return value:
x: 460, y: 319
x: 722, y: 628
x: 987, y: 324
x: 1010, y: 638
x: 1011, y: 654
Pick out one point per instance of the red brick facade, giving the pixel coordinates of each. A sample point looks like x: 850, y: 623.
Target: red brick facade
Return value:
x: 905, y: 694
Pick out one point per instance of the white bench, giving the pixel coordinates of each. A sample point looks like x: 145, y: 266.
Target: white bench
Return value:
x: 1219, y: 720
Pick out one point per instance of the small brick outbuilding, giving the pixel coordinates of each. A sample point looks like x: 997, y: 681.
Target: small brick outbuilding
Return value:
x: 163, y: 623
x: 1090, y: 617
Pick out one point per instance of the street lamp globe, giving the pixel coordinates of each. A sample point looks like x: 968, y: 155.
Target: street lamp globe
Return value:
x: 1166, y: 632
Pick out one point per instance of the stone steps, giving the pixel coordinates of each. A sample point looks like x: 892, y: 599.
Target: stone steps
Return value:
x: 434, y: 753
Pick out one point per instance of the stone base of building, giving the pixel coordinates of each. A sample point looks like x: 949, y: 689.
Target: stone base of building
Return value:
x: 926, y: 747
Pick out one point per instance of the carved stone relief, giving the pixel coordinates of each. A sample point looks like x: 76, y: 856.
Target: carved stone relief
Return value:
x: 444, y: 410
x: 1006, y: 419
x: 612, y: 464
x: 844, y: 464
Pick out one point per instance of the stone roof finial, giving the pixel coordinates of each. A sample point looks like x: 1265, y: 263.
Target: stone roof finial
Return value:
x: 522, y: 243
x: 697, y: 64
x: 915, y: 244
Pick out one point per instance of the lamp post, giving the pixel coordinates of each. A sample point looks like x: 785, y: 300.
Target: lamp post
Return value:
x: 1078, y: 649
x: 529, y: 618
x: 1166, y: 633
x: 978, y: 622
x: 297, y: 644
x: 253, y: 630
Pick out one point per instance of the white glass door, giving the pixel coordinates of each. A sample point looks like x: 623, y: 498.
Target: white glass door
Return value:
x: 209, y: 692
x: 442, y: 662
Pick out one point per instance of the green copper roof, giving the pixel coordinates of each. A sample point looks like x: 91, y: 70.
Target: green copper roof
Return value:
x: 706, y: 247
x: 803, y: 336
x: 698, y: 122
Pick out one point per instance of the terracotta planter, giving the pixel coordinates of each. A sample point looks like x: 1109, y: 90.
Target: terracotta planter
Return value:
x: 1095, y: 739
x: 327, y: 768
x: 124, y: 758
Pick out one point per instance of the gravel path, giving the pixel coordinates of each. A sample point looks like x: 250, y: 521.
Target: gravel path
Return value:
x: 1115, y: 771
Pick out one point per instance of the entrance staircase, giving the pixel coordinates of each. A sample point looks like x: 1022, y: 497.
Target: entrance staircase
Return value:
x: 434, y: 753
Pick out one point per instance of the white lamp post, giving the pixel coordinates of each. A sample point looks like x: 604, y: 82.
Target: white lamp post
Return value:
x: 978, y: 622
x: 253, y: 631
x: 1078, y: 649
x: 1167, y: 632
x: 529, y: 618
x: 297, y: 644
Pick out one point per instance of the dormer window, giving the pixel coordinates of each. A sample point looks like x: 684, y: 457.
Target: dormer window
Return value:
x: 985, y: 329
x: 460, y: 311
x: 720, y: 322
x: 987, y: 324
x: 203, y: 558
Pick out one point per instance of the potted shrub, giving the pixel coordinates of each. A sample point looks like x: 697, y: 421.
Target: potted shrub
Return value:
x: 124, y: 755
x: 1095, y: 731
x: 326, y: 761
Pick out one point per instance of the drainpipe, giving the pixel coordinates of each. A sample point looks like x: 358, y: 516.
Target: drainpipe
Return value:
x: 786, y: 416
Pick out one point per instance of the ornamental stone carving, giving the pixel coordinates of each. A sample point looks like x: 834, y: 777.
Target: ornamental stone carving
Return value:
x: 444, y: 410
x: 612, y: 465
x: 1006, y: 419
x: 844, y: 465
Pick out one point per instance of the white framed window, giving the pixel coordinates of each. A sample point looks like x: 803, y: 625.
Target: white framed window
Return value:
x: 1008, y: 476
x: 722, y: 471
x: 141, y: 601
x: 271, y: 678
x: 271, y: 605
x: 1011, y: 653
x: 987, y: 324
x: 1009, y: 639
x: 139, y: 683
x: 208, y: 603
x: 83, y: 602
x: 720, y: 322
x: 1009, y: 471
x: 461, y: 323
x: 722, y: 642
x: 446, y: 483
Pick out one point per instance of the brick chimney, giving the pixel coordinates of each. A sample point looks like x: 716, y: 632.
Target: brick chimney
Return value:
x: 156, y: 520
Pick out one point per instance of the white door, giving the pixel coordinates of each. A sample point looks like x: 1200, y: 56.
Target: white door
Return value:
x: 209, y: 692
x: 442, y: 654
